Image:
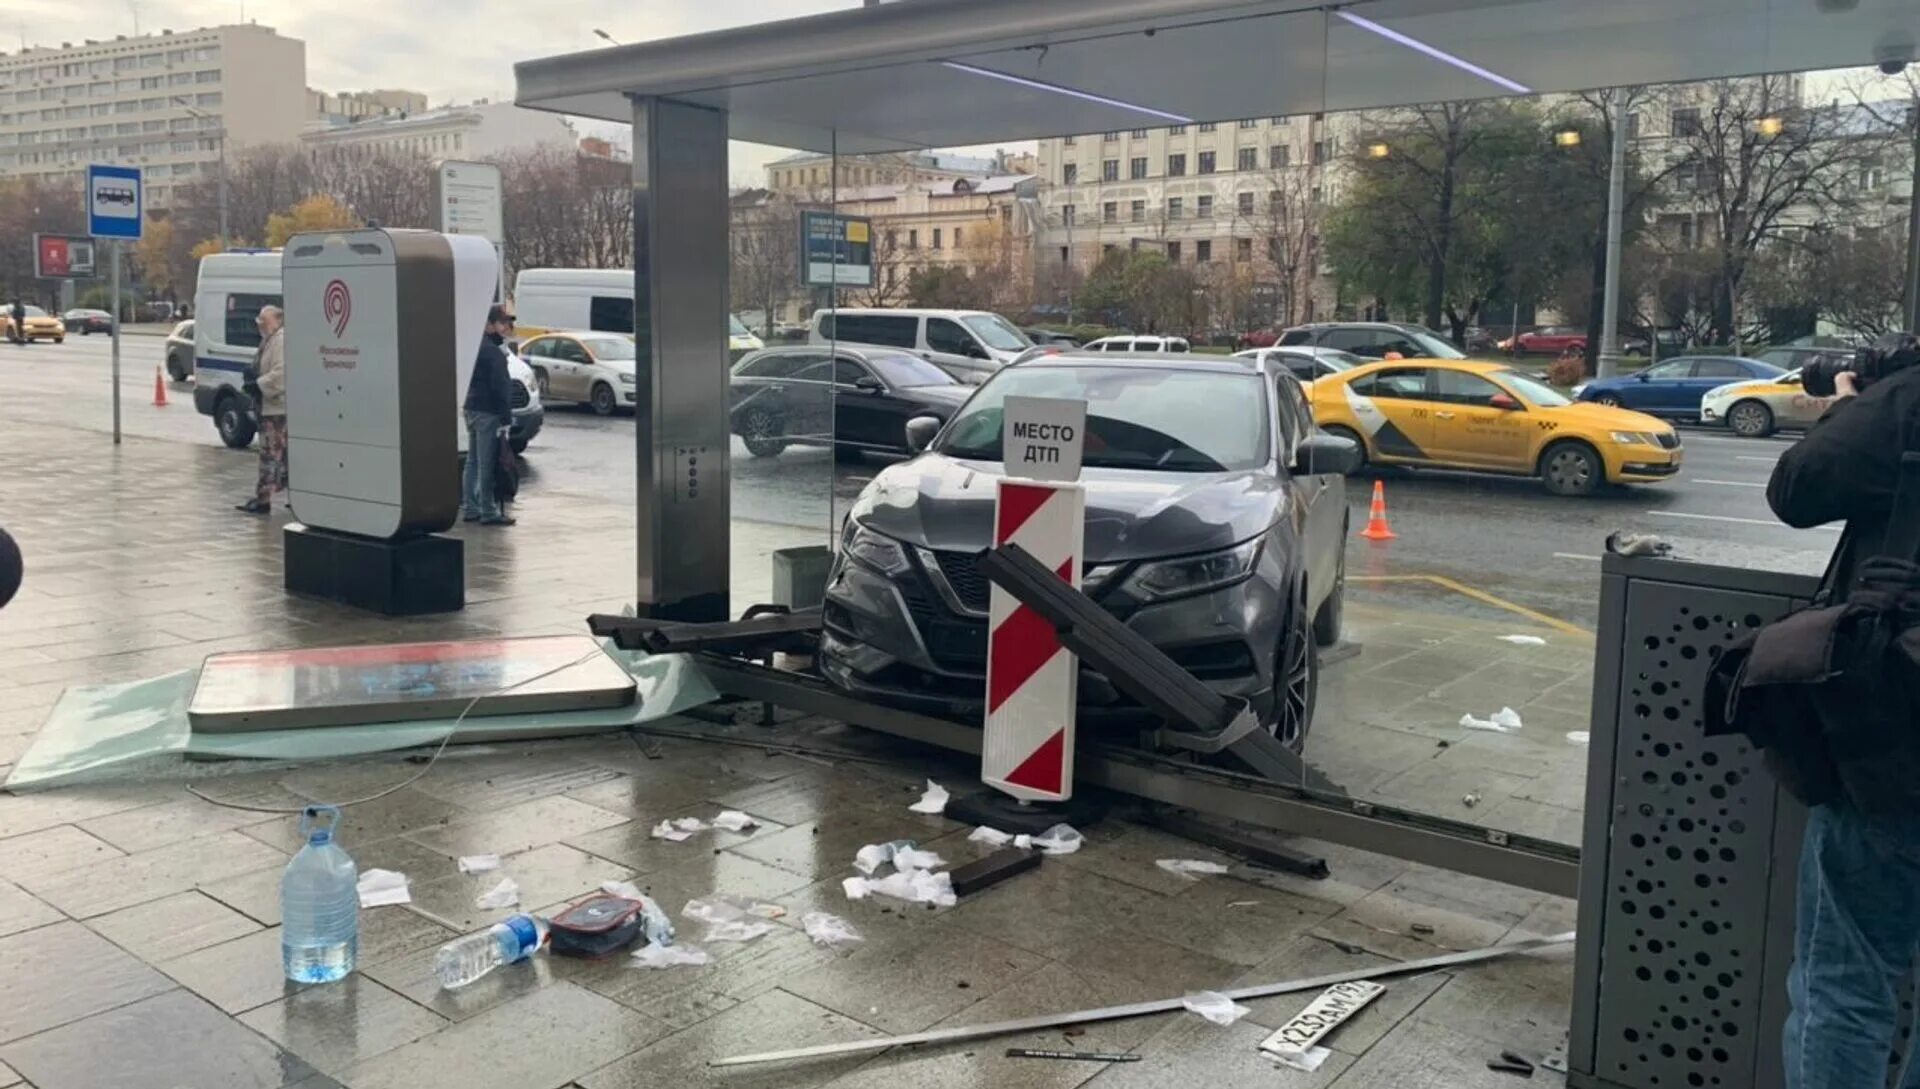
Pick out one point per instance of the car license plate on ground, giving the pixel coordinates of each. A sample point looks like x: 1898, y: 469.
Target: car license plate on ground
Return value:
x: 1322, y: 1016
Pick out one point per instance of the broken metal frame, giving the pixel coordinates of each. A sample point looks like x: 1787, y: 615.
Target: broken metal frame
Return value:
x: 1509, y: 858
x: 1142, y: 1009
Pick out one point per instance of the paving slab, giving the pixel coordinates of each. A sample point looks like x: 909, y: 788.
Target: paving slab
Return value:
x: 1191, y: 1052
x: 42, y: 854
x: 545, y: 1038
x: 1423, y: 1054
x: 339, y: 1025
x: 180, y: 819
x: 546, y: 875
x: 906, y: 983
x: 170, y: 1039
x: 122, y: 882
x: 773, y: 1021
x: 173, y: 926
x: 520, y: 827
x: 62, y: 973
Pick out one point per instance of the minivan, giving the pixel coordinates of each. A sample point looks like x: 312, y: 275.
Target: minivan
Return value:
x: 968, y: 344
x: 599, y: 300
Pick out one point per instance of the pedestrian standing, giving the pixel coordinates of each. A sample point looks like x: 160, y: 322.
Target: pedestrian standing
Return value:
x: 17, y: 332
x: 270, y: 405
x: 489, y: 407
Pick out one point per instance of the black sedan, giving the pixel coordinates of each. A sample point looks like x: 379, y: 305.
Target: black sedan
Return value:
x: 851, y: 399
x: 87, y: 321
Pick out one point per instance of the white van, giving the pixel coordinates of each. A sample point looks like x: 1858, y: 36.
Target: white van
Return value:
x: 600, y: 300
x: 968, y: 344
x: 233, y: 287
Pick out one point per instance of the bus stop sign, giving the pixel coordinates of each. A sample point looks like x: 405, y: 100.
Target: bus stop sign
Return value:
x: 113, y: 201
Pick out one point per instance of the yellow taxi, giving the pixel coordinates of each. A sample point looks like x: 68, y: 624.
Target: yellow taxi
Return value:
x: 1489, y: 417
x: 38, y: 325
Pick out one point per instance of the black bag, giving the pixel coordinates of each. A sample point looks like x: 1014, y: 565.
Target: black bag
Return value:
x: 506, y: 473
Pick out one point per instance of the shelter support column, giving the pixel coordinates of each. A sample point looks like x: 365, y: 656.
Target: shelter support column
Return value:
x: 680, y: 296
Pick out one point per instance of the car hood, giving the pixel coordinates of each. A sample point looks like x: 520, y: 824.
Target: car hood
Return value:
x: 1605, y: 416
x: 947, y: 504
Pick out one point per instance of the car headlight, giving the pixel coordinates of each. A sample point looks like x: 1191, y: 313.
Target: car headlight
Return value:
x: 1719, y: 391
x: 1631, y: 438
x: 627, y: 379
x: 1192, y: 574
x: 869, y: 549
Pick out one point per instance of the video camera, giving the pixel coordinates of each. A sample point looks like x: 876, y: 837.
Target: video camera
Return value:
x: 1868, y: 365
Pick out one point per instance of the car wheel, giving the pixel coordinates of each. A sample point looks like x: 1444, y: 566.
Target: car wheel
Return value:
x: 1327, y: 621
x: 1750, y: 419
x: 176, y: 368
x: 760, y: 430
x: 1296, y: 681
x: 1611, y: 400
x: 1353, y: 437
x: 231, y: 420
x: 1635, y: 353
x: 1572, y: 468
x: 59, y: 340
x: 540, y: 380
x: 602, y: 399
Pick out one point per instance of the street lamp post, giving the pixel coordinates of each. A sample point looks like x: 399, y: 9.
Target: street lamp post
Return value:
x: 221, y: 148
x: 1616, y: 217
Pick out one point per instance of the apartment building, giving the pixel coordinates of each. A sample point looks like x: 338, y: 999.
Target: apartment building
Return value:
x: 474, y: 131
x: 168, y: 103
x: 1234, y: 195
x: 812, y: 175
x: 347, y: 107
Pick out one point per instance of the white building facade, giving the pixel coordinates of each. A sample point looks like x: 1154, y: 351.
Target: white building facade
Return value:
x: 456, y: 132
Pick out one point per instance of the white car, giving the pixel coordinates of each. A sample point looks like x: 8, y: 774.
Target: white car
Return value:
x: 1758, y: 407
x: 595, y: 369
x: 1137, y: 344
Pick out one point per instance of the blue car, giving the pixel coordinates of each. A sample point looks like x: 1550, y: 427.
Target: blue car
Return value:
x: 1674, y: 388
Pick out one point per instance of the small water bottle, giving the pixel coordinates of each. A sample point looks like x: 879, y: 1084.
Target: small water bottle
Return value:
x: 319, y: 904
x: 463, y: 960
x: 654, y: 923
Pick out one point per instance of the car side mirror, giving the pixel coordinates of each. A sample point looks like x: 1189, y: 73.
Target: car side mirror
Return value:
x: 869, y: 383
x: 920, y: 432
x: 1503, y: 402
x: 1642, y: 377
x: 975, y: 351
x: 1324, y: 454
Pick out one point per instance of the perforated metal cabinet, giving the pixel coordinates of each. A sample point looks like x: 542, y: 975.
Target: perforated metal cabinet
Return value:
x: 1686, y: 888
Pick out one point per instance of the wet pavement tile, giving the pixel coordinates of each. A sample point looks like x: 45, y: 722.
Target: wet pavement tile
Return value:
x: 171, y: 822
x: 546, y: 875
x: 518, y: 828
x: 20, y: 911
x: 65, y: 972
x: 123, y: 882
x: 1193, y: 1052
x: 170, y: 1039
x: 1310, y: 957
x: 907, y: 982
x: 545, y: 1039
x: 403, y: 811
x: 173, y: 926
x: 634, y: 846
x: 50, y: 851
x: 1432, y: 1054
x: 774, y: 1021
x: 708, y: 872
x: 335, y: 1026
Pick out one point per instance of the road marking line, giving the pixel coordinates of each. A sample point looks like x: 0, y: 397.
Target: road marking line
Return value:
x: 1721, y: 439
x: 1729, y: 483
x: 1575, y: 556
x: 1481, y: 596
x: 1752, y: 457
x: 1725, y: 518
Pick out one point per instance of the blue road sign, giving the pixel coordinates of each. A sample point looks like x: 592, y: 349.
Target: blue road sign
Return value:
x: 113, y: 201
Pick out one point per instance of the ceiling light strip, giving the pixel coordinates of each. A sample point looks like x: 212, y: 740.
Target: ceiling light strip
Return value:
x: 1435, y: 52
x: 1008, y: 77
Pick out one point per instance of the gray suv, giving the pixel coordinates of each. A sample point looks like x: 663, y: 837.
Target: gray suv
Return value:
x: 1216, y: 527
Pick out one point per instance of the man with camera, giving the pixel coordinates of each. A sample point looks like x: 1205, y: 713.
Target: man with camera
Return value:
x: 1858, y: 925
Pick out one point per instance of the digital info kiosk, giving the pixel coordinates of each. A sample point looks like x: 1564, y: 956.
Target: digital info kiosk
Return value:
x: 382, y: 329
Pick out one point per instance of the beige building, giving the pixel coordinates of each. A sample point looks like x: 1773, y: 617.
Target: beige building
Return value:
x: 975, y: 224
x: 351, y: 106
x: 475, y: 131
x: 165, y: 102
x: 1241, y: 199
x: 811, y: 174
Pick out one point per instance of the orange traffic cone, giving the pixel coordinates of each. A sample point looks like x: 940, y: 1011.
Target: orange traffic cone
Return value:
x: 1377, y: 528
x: 159, y: 389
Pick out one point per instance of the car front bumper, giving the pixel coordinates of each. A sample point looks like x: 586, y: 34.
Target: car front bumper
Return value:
x: 1709, y: 414
x: 898, y: 640
x: 527, y: 423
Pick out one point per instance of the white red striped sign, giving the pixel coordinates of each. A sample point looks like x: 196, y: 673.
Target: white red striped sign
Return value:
x: 1031, y: 679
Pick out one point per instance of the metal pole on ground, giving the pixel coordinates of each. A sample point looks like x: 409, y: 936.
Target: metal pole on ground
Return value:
x: 116, y: 342
x: 1616, y: 214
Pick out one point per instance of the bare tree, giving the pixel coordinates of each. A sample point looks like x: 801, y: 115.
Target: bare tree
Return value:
x: 765, y: 240
x: 893, y: 270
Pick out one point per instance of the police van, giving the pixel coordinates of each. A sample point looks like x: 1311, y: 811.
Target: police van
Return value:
x: 571, y: 300
x: 233, y: 287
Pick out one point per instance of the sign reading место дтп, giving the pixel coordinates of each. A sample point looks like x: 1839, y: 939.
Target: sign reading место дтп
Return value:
x: 1042, y: 437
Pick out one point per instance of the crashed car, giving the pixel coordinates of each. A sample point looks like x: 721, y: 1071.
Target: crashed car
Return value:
x: 1216, y: 521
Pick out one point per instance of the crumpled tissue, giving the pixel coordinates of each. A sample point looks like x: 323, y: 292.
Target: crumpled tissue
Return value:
x: 933, y: 801
x: 732, y: 820
x: 727, y: 921
x: 1215, y: 1007
x: 1061, y: 839
x: 913, y: 886
x: 1190, y: 867
x: 479, y: 863
x: 678, y: 830
x: 667, y: 956
x: 1504, y: 721
x: 504, y: 895
x: 1524, y: 640
x: 829, y: 930
x: 379, y: 888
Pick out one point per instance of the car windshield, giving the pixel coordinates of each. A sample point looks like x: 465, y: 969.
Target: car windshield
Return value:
x: 1174, y: 420
x: 1339, y: 360
x: 1533, y: 389
x: 903, y: 371
x: 35, y: 312
x: 1434, y: 347
x: 735, y: 329
x: 609, y: 347
x: 998, y: 333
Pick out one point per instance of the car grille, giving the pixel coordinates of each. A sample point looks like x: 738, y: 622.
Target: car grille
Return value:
x: 970, y: 584
x: 520, y: 397
x: 1669, y: 440
x: 955, y: 644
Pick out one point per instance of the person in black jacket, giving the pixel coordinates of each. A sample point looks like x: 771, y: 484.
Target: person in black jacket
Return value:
x: 489, y: 407
x: 1858, y: 925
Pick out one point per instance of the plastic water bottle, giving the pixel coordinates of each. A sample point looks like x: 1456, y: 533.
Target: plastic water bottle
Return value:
x: 319, y: 904
x: 654, y: 923
x: 463, y: 960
